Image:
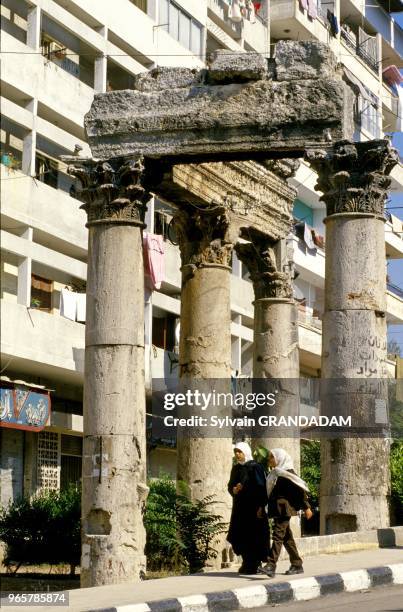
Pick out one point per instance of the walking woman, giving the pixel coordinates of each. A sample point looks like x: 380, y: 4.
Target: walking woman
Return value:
x: 248, y: 531
x: 287, y: 493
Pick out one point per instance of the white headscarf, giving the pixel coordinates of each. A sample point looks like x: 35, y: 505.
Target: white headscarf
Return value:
x: 245, y: 448
x: 283, y: 464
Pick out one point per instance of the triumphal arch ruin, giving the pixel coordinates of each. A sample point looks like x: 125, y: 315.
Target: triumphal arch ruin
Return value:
x: 219, y: 143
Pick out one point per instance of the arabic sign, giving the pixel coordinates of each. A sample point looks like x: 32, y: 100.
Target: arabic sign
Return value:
x: 24, y: 408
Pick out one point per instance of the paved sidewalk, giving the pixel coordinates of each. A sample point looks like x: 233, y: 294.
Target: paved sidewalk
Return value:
x: 227, y: 590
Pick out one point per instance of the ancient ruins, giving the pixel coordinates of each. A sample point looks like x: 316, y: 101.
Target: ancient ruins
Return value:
x: 219, y: 144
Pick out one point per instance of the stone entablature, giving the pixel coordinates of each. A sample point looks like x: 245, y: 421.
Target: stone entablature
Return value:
x: 241, y: 107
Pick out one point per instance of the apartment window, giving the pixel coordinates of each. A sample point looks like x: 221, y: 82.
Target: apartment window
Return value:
x: 369, y: 114
x: 46, y: 170
x: 41, y: 293
x: 70, y: 461
x: 163, y: 334
x: 141, y: 4
x: 180, y: 25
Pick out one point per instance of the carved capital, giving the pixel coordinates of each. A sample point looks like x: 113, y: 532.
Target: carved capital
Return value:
x: 113, y: 191
x: 353, y: 176
x: 202, y: 234
x: 260, y: 259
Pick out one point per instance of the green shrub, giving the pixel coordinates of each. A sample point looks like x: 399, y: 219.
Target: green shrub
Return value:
x: 180, y: 533
x: 163, y: 547
x: 44, y: 529
x: 396, y: 473
x: 198, y: 529
x: 310, y: 469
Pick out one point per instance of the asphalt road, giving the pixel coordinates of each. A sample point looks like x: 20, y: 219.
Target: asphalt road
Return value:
x: 382, y: 599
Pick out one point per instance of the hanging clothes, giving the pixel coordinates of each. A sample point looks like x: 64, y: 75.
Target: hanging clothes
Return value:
x: 154, y: 259
x: 234, y: 12
x: 333, y: 22
x: 399, y: 127
x: 312, y: 9
x: 249, y: 11
x: 81, y: 307
x: 392, y: 75
x: 308, y: 239
x: 303, y: 4
x: 68, y: 304
x: 318, y: 240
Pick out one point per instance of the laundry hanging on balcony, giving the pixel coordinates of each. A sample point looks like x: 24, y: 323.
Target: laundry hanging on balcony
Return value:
x: 392, y: 75
x: 333, y: 23
x: 303, y: 4
x: 73, y: 305
x: 234, y: 12
x: 312, y: 9
x: 154, y: 260
x: 304, y: 233
x: 399, y: 127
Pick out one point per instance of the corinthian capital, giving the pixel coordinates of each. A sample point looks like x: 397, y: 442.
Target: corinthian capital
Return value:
x: 260, y: 259
x: 113, y: 190
x: 353, y: 176
x: 202, y: 234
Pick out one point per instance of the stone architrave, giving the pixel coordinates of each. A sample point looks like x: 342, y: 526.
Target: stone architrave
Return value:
x: 239, y: 108
x: 205, y: 347
x: 114, y: 450
x: 353, y: 178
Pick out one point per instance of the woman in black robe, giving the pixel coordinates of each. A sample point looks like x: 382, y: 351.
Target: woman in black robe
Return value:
x: 249, y: 530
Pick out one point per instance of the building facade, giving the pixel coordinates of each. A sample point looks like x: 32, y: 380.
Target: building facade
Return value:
x: 56, y: 56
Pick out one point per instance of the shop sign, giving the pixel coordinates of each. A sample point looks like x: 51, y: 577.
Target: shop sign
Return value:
x: 25, y: 408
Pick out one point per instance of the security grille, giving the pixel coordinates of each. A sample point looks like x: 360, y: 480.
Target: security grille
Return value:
x: 48, y: 463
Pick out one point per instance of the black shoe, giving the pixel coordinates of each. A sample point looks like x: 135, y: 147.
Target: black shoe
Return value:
x: 268, y: 570
x: 294, y: 570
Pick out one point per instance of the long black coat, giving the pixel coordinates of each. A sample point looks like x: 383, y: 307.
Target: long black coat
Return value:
x: 248, y: 534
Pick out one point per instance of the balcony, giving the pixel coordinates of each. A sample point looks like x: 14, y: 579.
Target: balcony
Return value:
x: 31, y: 203
x: 41, y: 343
x: 254, y: 33
x: 351, y: 41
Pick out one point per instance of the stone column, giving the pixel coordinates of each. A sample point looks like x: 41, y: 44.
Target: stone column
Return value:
x: 205, y: 345
x: 114, y: 449
x: 275, y: 332
x: 355, y: 472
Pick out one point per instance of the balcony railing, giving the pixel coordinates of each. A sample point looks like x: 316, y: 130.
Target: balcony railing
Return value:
x: 351, y: 41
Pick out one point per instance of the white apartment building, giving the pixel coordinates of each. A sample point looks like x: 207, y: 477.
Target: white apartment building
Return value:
x: 56, y: 54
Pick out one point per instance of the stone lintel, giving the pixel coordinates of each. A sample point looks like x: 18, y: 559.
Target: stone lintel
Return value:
x: 236, y: 109
x: 252, y: 196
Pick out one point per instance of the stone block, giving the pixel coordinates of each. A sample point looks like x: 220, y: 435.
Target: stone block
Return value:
x: 304, y: 60
x: 229, y: 67
x: 163, y: 77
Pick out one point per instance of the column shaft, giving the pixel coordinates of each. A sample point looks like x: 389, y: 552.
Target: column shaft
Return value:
x: 354, y: 471
x: 205, y: 349
x: 114, y: 450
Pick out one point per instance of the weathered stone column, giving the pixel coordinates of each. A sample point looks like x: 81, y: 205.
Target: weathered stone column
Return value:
x: 114, y: 450
x: 275, y: 332
x: 205, y: 344
x: 355, y: 472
